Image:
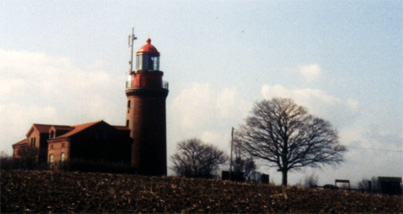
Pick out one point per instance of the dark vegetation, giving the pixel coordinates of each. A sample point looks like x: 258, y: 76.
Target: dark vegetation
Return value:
x: 29, y: 163
x: 97, y: 166
x: 28, y: 159
x: 373, y: 187
x: 66, y: 192
x: 197, y: 160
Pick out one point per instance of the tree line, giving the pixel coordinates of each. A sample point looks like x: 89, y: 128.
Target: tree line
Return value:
x: 278, y: 132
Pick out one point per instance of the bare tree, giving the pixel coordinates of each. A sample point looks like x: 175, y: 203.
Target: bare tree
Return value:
x: 243, y: 161
x: 370, y: 185
x: 246, y: 166
x: 195, y: 159
x: 28, y: 157
x: 285, y: 136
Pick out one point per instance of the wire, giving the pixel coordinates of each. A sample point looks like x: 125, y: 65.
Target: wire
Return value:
x: 386, y: 150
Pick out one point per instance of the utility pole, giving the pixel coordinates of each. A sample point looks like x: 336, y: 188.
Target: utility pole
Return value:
x: 232, y: 146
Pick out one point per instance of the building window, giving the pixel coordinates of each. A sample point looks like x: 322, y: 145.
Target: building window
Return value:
x: 139, y: 62
x: 154, y: 64
x: 33, y: 142
x: 62, y: 145
x: 62, y: 159
x: 52, y: 134
x: 128, y: 106
x: 127, y: 123
x: 51, y: 161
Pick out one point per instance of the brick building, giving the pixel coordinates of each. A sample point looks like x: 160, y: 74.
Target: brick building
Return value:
x: 142, y: 142
x: 94, y: 141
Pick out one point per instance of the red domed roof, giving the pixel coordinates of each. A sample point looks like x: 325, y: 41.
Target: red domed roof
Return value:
x: 148, y: 48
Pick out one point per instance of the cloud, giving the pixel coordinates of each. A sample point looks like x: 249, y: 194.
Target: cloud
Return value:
x: 201, y: 111
x: 39, y: 88
x: 310, y: 72
x: 338, y: 111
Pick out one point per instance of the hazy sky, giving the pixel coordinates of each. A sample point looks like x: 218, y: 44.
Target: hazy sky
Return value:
x: 66, y: 62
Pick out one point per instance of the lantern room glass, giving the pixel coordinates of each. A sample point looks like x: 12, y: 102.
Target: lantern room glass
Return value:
x: 147, y: 62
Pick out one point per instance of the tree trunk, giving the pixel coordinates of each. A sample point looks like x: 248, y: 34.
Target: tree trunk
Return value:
x: 284, y: 183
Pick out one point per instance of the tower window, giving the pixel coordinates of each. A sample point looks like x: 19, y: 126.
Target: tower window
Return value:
x: 52, y: 134
x: 128, y: 106
x: 138, y: 62
x: 154, y: 64
x: 127, y: 123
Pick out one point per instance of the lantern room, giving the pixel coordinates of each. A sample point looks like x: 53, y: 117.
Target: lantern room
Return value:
x: 147, y: 58
x: 147, y: 73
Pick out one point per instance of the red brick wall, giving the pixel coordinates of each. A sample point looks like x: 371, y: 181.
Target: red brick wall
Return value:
x: 34, y: 138
x: 148, y: 130
x: 149, y: 79
x: 56, y: 148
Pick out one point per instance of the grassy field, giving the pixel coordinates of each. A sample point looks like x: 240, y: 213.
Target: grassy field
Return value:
x: 68, y: 192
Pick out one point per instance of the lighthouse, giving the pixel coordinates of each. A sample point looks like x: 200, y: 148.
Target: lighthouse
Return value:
x: 146, y: 112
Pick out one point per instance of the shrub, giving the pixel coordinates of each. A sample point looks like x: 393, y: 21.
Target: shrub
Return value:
x: 82, y: 165
x: 311, y: 181
x: 7, y: 162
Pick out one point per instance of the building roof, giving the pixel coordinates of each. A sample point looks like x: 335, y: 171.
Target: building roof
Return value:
x: 22, y: 142
x: 42, y: 128
x: 390, y: 179
x: 122, y: 128
x: 148, y: 48
x: 64, y: 128
x: 78, y: 128
x: 72, y: 130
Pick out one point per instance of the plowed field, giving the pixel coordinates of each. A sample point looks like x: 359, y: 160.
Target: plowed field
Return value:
x: 72, y: 192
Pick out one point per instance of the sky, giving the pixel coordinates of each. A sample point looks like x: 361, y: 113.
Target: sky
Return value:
x: 66, y: 62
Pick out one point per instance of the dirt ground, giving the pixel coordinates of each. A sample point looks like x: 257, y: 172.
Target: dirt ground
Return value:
x: 74, y: 192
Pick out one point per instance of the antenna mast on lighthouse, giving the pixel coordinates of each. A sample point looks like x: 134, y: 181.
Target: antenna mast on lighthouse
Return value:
x: 131, y: 41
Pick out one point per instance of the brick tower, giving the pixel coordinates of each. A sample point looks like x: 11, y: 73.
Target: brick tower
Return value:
x: 145, y: 117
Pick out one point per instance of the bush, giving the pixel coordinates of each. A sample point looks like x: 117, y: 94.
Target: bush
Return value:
x: 311, y: 181
x: 27, y: 161
x: 96, y: 166
x: 197, y: 159
x: 7, y: 162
